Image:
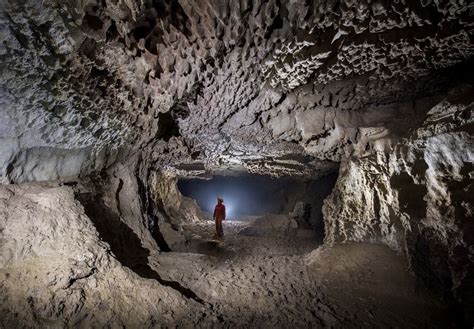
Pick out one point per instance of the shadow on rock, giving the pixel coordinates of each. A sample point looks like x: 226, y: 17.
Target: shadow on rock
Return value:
x: 211, y: 248
x: 124, y: 243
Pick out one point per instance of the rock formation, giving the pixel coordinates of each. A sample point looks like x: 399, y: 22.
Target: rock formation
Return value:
x: 105, y: 104
x: 416, y: 196
x: 217, y: 83
x: 57, y: 269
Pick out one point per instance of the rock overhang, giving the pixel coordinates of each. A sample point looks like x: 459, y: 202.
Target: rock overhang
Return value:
x: 222, y: 83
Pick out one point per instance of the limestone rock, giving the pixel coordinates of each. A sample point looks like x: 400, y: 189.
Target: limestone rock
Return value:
x: 177, y: 208
x: 116, y: 98
x: 56, y: 270
x: 416, y: 197
x: 216, y: 82
x: 270, y: 225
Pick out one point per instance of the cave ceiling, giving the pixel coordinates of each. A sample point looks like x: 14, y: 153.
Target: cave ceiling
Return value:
x: 275, y: 87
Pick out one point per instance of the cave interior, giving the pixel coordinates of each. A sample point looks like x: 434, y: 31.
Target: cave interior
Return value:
x: 339, y: 134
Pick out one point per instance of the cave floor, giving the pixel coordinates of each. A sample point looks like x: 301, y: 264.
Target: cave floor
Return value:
x: 293, y: 280
x: 200, y: 237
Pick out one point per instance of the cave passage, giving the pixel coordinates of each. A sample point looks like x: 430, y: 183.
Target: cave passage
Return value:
x: 338, y: 133
x: 243, y: 195
x: 257, y: 195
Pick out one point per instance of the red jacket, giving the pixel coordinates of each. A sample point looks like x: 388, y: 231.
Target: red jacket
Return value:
x: 219, y: 212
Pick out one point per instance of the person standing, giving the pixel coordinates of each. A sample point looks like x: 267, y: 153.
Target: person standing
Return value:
x: 219, y: 216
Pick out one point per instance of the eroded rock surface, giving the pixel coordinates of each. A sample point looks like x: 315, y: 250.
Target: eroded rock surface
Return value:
x: 56, y: 270
x: 417, y: 197
x: 117, y: 98
x: 217, y: 83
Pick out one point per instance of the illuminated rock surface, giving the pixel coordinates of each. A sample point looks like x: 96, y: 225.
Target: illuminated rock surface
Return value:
x: 416, y: 198
x: 217, y: 82
x: 55, y: 270
x: 105, y: 104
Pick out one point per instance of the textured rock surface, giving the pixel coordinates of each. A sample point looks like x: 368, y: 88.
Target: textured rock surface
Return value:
x: 417, y: 197
x: 270, y: 225
x: 216, y: 83
x: 116, y: 97
x: 178, y: 208
x: 57, y: 271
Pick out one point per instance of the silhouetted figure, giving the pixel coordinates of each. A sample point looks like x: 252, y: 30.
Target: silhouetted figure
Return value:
x: 219, y: 216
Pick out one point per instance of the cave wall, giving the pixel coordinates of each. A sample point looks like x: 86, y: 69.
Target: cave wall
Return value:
x: 305, y: 201
x: 178, y: 208
x: 116, y: 200
x: 171, y: 209
x: 59, y: 268
x: 416, y: 196
x: 108, y: 93
x: 56, y: 104
x: 131, y: 195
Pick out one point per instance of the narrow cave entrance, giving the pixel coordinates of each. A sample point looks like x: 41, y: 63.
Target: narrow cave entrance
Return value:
x: 248, y: 197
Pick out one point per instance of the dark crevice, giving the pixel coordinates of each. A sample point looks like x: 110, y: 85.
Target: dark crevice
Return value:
x: 10, y: 168
x: 411, y: 196
x: 149, y: 103
x: 188, y: 293
x: 124, y: 243
x: 159, y: 238
x: 117, y: 195
x: 112, y: 32
x: 85, y: 276
x: 277, y: 22
x: 152, y: 217
x: 167, y: 127
x: 93, y: 22
x: 281, y: 100
x: 21, y: 38
x: 324, y: 134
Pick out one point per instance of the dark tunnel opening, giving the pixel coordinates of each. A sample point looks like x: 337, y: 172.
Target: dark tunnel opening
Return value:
x: 248, y: 196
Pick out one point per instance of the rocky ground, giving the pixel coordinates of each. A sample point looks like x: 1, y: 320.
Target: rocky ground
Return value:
x: 282, y: 280
x: 56, y: 271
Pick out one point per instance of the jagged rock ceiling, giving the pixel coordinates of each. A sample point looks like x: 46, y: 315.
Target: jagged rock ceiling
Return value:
x: 269, y: 86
